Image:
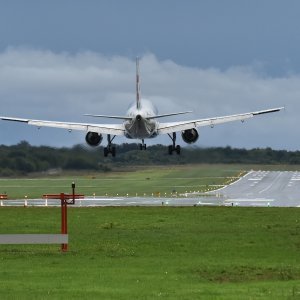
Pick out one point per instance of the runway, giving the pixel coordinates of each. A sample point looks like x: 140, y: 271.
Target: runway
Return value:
x: 263, y: 188
x: 256, y: 188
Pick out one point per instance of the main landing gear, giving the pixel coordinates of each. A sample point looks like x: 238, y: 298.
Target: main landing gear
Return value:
x: 173, y: 147
x: 110, y: 148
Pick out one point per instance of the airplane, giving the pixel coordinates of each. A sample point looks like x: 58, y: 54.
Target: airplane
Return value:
x: 141, y: 122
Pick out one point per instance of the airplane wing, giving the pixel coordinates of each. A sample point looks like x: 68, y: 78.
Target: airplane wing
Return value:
x: 165, y: 128
x: 114, y: 129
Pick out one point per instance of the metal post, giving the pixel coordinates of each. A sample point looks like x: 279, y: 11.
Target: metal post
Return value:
x: 73, y: 190
x: 64, y: 228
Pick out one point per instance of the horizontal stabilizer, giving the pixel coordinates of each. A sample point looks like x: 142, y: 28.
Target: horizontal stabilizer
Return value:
x: 108, y: 117
x: 130, y: 118
x: 168, y: 115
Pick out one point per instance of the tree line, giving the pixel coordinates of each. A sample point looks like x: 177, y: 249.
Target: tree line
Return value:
x: 23, y: 159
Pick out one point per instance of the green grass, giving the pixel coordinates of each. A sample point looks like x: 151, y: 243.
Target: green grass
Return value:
x: 146, y: 181
x: 154, y: 253
x: 141, y: 181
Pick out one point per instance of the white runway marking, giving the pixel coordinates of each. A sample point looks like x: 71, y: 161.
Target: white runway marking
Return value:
x: 249, y: 200
x: 268, y: 187
x: 278, y: 188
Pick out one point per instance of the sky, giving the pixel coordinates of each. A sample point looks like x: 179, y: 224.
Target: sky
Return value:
x: 60, y: 59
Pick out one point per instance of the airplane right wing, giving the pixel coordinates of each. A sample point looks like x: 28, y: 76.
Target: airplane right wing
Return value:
x: 114, y: 129
x: 171, y: 127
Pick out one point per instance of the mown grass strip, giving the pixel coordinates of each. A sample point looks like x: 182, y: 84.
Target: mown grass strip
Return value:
x: 143, y: 181
x: 154, y: 252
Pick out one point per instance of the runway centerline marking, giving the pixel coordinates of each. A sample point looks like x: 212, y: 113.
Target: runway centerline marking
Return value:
x: 249, y: 200
x: 268, y: 187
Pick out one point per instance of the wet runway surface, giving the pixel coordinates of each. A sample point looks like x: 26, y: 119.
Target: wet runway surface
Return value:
x: 117, y: 201
x: 257, y: 188
x: 263, y: 188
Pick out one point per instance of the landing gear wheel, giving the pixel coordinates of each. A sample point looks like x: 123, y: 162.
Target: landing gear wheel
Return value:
x: 113, y: 151
x: 173, y: 147
x: 110, y: 148
x: 142, y: 146
x: 105, y: 152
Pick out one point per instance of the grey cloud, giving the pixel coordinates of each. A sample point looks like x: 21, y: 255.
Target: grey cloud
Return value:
x: 59, y: 86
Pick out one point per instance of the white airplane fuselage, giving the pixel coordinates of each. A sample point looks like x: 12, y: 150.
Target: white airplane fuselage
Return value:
x: 142, y: 124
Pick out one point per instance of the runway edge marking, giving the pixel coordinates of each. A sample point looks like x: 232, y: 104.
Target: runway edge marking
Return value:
x: 224, y: 187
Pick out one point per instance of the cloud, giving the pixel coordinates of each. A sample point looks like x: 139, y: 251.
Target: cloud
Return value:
x: 60, y: 86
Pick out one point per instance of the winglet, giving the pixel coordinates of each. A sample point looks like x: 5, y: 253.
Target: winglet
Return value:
x: 268, y: 111
x: 138, y: 100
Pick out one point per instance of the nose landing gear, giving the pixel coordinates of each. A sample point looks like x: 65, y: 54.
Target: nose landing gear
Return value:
x: 142, y: 146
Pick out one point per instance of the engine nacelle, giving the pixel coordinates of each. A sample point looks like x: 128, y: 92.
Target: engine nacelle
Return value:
x: 93, y: 138
x: 190, y: 136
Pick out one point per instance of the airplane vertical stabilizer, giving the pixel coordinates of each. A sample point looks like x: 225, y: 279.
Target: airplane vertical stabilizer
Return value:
x: 138, y: 100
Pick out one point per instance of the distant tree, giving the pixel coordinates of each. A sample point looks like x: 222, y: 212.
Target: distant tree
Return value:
x: 24, y: 158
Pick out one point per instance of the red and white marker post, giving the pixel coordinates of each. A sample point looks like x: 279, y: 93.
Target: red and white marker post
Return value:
x: 65, y: 200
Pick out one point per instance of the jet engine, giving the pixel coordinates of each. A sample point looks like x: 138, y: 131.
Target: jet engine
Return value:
x: 190, y: 136
x: 93, y: 138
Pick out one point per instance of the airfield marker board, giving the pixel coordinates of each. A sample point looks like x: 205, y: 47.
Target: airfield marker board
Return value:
x: 15, y: 239
x: 46, y: 238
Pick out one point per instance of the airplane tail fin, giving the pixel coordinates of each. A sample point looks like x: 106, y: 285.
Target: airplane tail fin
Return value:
x: 138, y: 100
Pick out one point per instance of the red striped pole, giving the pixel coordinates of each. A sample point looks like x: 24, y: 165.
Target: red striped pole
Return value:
x: 64, y: 228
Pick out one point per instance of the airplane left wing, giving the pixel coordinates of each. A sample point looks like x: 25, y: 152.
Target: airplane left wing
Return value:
x: 114, y: 129
x: 165, y: 128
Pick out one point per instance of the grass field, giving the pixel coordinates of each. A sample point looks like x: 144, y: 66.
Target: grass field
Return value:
x: 154, y: 253
x: 142, y: 181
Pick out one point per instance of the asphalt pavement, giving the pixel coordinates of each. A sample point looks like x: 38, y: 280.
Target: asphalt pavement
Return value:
x: 263, y: 188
